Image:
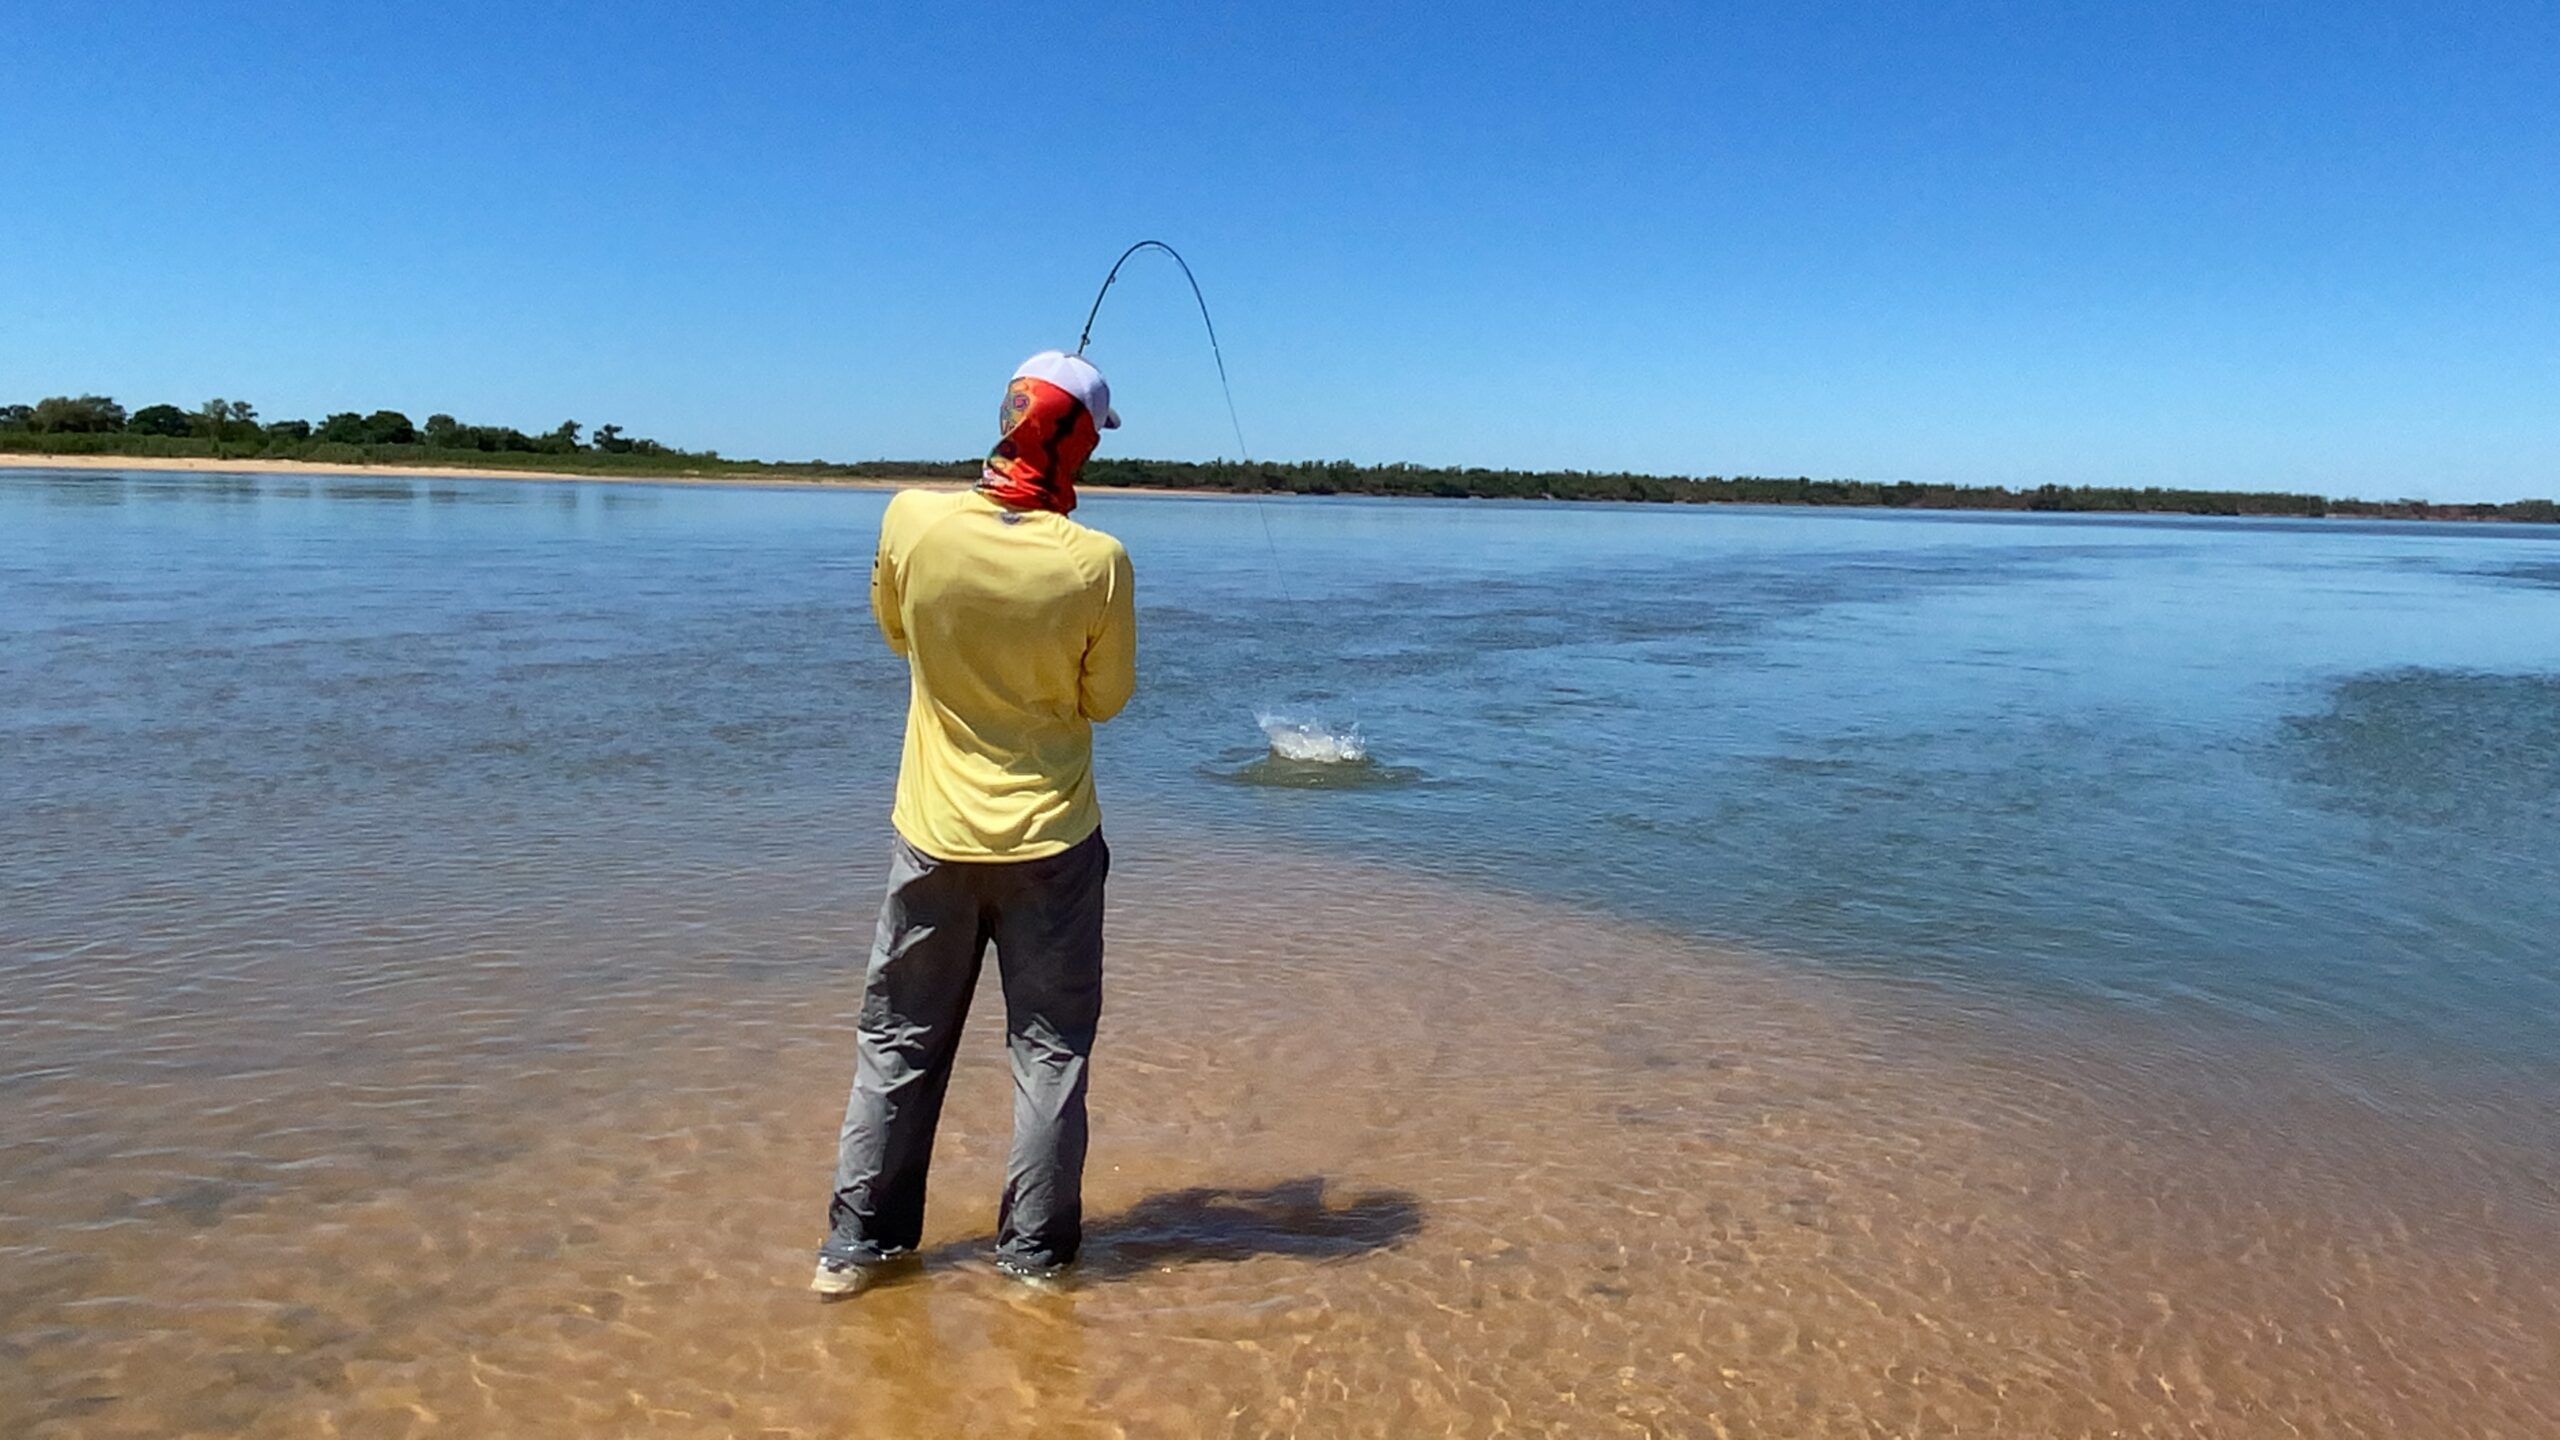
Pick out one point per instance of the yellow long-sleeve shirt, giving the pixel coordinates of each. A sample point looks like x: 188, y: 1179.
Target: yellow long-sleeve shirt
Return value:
x: 1020, y: 631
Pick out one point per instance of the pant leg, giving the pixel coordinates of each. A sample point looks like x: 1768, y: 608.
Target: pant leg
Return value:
x: 1048, y: 934
x: 915, y: 999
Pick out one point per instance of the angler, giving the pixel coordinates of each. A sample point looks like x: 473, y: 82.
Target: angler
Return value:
x: 1020, y: 634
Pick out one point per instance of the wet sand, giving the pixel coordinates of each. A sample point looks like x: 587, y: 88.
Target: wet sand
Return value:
x: 1373, y: 1156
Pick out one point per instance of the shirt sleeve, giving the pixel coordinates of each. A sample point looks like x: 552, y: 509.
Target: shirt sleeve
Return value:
x: 886, y: 598
x: 1111, y: 655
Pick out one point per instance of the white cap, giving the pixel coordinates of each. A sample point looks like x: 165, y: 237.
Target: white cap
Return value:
x: 1075, y: 375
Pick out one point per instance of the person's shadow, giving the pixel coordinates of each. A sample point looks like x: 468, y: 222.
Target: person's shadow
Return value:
x: 1215, y: 1223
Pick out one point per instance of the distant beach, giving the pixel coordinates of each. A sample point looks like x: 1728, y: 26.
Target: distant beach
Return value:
x: 198, y: 464
x: 206, y: 465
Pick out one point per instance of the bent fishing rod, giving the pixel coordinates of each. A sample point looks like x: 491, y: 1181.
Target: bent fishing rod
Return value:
x: 1244, y: 456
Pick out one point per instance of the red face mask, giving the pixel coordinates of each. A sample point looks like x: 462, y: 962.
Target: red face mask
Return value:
x: 1047, y: 436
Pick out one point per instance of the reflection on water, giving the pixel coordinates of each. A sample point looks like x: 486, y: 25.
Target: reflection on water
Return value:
x: 430, y: 930
x: 399, y: 490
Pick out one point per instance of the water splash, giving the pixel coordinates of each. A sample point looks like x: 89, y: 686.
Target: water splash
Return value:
x: 1312, y: 742
x: 1308, y: 755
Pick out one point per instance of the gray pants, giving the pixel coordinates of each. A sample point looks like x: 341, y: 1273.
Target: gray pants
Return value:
x: 1045, y: 917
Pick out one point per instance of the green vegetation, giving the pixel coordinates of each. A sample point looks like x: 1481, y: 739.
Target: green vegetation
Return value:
x: 1344, y: 478
x: 230, y: 429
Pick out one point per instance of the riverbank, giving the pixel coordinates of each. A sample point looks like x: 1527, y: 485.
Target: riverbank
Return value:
x: 253, y: 466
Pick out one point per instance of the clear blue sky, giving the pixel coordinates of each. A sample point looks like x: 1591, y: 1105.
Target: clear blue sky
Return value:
x: 2251, y: 245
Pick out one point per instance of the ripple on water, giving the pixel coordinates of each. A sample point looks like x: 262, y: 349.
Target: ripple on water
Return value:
x: 543, y: 1150
x: 2438, y: 748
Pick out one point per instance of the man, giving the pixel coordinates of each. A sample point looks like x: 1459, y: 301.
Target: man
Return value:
x: 1019, y: 632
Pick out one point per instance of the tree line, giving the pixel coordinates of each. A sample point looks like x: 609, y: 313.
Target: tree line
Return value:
x: 94, y: 424
x: 232, y: 427
x: 1342, y: 477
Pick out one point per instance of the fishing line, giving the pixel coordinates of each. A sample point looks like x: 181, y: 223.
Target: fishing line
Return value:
x: 1279, y: 571
x: 1303, y: 748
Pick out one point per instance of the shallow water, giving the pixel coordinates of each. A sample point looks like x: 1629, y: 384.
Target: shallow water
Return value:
x: 1825, y: 975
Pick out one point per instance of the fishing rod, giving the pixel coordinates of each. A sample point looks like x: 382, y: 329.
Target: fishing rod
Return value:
x: 1243, y: 455
x: 1205, y: 322
x: 1287, y: 738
